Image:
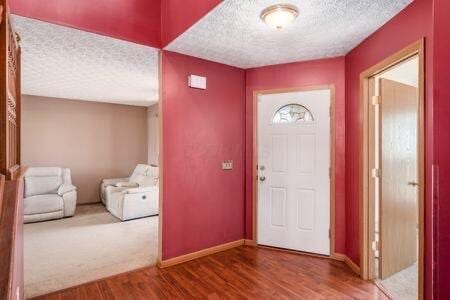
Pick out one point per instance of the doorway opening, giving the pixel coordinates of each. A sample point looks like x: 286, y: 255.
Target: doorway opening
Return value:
x: 91, y: 147
x: 294, y: 169
x: 393, y: 180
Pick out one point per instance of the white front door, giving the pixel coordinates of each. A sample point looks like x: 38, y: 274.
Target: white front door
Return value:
x: 293, y: 168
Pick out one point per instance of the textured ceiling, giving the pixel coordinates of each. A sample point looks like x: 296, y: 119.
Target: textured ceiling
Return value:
x: 67, y: 63
x: 234, y: 34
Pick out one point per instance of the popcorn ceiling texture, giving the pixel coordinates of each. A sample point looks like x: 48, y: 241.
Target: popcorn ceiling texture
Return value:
x: 234, y: 34
x: 62, y: 62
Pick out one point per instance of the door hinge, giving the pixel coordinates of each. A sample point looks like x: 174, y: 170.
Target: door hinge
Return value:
x: 329, y: 233
x: 376, y: 100
x: 376, y: 173
x: 330, y: 111
x: 329, y: 172
x: 375, y: 246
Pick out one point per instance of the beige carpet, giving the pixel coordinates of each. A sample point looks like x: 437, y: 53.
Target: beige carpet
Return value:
x: 91, y: 245
x: 403, y: 285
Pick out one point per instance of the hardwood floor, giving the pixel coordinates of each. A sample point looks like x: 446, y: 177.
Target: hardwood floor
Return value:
x: 241, y: 273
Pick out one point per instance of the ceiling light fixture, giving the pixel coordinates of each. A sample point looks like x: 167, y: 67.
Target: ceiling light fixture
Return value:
x: 279, y: 16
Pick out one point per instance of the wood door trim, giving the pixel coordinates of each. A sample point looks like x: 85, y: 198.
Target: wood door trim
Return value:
x: 416, y: 48
x: 257, y: 93
x: 160, y: 160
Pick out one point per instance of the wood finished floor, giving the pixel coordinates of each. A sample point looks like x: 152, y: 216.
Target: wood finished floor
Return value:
x: 241, y: 273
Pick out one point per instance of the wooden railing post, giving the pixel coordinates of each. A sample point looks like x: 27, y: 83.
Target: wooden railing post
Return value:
x: 11, y: 182
x: 10, y: 96
x: 11, y: 239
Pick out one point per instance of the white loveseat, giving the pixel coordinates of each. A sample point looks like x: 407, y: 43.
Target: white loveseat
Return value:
x: 49, y: 194
x: 132, y: 197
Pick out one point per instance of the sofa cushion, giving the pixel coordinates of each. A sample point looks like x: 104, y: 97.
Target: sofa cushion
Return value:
x: 42, y: 185
x: 140, y: 170
x: 44, y: 172
x: 150, y: 178
x: 141, y: 181
x: 42, y: 204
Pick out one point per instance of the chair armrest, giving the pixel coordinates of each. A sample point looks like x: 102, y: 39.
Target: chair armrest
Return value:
x: 127, y: 184
x: 140, y: 190
x: 115, y: 189
x: 114, y: 181
x: 66, y: 188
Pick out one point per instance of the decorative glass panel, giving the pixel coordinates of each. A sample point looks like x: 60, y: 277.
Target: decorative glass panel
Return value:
x: 292, y: 113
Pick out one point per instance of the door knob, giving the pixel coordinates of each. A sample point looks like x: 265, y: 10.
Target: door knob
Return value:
x: 413, y: 183
x: 262, y: 178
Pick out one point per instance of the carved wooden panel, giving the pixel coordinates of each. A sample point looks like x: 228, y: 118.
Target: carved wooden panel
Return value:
x: 9, y: 97
x: 11, y: 109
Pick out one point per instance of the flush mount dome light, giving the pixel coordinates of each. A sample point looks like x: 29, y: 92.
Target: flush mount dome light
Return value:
x: 279, y: 16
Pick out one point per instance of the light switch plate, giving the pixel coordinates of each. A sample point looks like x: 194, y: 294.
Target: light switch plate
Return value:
x: 197, y: 82
x: 227, y: 165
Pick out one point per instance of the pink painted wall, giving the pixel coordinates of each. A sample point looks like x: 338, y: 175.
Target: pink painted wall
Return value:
x: 137, y: 21
x: 179, y: 15
x: 203, y: 205
x: 442, y: 144
x: 407, y: 27
x: 319, y: 72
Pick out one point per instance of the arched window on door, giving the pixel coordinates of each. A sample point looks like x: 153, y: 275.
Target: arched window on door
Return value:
x: 292, y: 113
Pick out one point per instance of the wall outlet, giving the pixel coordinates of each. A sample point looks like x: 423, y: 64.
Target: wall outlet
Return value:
x: 227, y: 165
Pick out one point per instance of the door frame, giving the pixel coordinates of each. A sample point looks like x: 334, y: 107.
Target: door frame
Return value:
x: 258, y: 93
x: 367, y: 139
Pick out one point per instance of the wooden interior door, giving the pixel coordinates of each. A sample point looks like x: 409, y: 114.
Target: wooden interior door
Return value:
x: 399, y: 113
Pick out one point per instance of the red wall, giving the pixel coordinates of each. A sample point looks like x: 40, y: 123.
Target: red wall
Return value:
x: 442, y: 143
x: 203, y: 205
x: 137, y: 21
x: 302, y: 74
x: 179, y: 15
x: 153, y: 23
x: 407, y: 27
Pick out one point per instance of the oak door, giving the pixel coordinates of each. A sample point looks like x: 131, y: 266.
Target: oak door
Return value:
x: 399, y: 176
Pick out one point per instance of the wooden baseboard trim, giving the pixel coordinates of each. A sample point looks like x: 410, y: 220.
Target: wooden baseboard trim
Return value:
x: 338, y: 256
x: 382, y: 289
x: 219, y: 248
x: 354, y: 267
x: 250, y: 242
x: 194, y: 255
x: 344, y: 258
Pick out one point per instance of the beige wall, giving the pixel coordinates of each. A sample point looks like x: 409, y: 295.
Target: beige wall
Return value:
x: 153, y: 135
x: 95, y: 140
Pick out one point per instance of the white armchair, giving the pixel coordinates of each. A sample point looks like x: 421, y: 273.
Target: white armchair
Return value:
x: 133, y: 197
x: 49, y: 194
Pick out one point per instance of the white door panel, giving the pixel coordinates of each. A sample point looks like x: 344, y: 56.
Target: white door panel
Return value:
x: 278, y: 206
x: 306, y: 154
x: 294, y: 159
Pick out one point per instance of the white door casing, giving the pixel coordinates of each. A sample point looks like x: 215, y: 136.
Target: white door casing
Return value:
x: 293, y: 208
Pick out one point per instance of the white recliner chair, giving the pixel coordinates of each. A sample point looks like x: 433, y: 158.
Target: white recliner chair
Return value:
x: 49, y: 194
x: 133, y: 197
